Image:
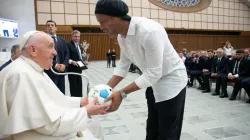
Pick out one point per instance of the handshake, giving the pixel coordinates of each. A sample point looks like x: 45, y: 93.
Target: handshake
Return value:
x: 60, y: 67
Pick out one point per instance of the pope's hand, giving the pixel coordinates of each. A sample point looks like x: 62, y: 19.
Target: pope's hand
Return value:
x: 94, y: 109
x: 116, y: 101
x: 84, y: 101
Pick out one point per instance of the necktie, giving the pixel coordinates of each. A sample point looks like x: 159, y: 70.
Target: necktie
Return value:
x: 236, y: 67
x: 78, y: 51
x: 55, y: 42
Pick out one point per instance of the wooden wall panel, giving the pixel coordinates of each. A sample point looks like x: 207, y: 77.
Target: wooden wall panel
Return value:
x: 205, y: 42
x: 100, y: 43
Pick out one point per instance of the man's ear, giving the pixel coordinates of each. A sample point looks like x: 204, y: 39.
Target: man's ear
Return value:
x: 32, y: 50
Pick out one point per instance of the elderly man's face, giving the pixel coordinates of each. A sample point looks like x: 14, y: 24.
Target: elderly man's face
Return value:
x: 15, y: 55
x: 108, y: 24
x: 219, y: 53
x: 45, y: 53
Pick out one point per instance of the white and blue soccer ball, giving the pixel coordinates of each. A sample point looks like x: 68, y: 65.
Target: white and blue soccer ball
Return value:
x: 102, y: 92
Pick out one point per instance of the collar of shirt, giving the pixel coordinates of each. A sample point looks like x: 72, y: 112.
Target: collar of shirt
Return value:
x: 76, y: 44
x: 131, y: 28
x: 33, y: 64
x: 53, y: 35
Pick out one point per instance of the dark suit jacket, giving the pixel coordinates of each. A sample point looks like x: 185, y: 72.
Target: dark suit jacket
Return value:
x: 244, y: 67
x: 188, y: 63
x: 63, y: 55
x: 220, y: 67
x: 208, y: 63
x: 198, y: 66
x: 113, y: 55
x: 5, y: 64
x: 73, y: 55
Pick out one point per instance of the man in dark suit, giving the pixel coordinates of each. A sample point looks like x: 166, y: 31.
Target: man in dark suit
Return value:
x: 238, y: 70
x: 61, y: 60
x: 75, y: 81
x: 15, y: 53
x: 206, y: 72
x: 219, y: 71
x: 196, y: 69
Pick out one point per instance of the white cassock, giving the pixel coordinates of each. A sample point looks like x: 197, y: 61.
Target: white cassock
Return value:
x: 33, y: 108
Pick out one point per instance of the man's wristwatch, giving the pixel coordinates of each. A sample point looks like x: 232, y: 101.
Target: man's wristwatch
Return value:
x: 123, y: 94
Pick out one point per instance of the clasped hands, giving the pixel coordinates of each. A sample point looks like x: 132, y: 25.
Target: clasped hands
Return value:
x: 94, y: 109
x: 231, y: 77
x: 60, y: 67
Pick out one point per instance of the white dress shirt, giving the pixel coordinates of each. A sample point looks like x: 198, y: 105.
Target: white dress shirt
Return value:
x: 228, y: 51
x: 148, y: 47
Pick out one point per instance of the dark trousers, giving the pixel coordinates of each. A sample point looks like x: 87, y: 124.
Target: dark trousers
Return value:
x: 221, y: 81
x: 59, y: 81
x: 165, y: 118
x: 108, y: 63
x: 196, y: 74
x: 205, y: 77
x: 246, y: 85
x: 113, y: 63
x: 75, y: 85
x: 237, y: 86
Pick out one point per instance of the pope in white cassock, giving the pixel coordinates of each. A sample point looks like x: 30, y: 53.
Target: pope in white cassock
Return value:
x: 33, y: 108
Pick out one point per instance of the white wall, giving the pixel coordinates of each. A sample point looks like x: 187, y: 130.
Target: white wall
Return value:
x: 21, y: 10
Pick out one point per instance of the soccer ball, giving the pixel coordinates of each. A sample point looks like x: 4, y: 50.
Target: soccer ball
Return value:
x: 102, y: 92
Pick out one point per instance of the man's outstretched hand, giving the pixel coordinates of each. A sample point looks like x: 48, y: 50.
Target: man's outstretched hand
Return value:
x: 116, y: 100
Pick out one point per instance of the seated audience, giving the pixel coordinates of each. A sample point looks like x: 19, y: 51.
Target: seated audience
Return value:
x: 238, y: 70
x: 247, y: 54
x: 206, y: 72
x: 196, y: 70
x: 182, y: 57
x: 219, y: 71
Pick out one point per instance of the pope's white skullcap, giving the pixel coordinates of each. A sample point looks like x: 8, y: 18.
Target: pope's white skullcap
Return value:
x: 25, y: 38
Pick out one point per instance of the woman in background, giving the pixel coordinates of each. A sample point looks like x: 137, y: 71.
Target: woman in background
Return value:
x: 228, y: 49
